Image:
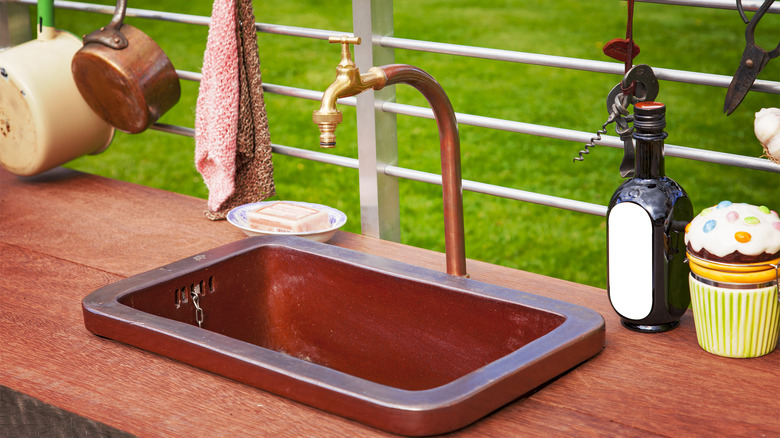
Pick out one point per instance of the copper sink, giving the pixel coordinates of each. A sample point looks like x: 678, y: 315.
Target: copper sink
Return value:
x: 398, y: 347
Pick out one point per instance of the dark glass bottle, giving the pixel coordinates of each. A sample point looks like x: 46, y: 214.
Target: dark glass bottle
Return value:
x: 646, y: 218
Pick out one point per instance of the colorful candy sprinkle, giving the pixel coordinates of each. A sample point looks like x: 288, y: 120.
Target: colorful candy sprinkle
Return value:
x: 732, y: 216
x: 742, y: 236
x: 688, y: 227
x: 706, y: 211
x: 724, y: 204
x: 776, y: 225
x: 764, y: 209
x: 752, y: 220
x: 709, y: 225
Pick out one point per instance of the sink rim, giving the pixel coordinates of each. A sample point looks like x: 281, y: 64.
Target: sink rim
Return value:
x: 581, y: 326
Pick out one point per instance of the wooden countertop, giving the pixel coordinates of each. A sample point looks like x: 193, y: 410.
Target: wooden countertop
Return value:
x: 64, y: 234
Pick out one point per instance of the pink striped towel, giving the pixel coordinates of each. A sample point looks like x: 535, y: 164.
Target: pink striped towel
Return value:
x: 216, y: 114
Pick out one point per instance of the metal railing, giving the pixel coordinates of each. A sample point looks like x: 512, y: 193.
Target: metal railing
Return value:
x: 376, y: 150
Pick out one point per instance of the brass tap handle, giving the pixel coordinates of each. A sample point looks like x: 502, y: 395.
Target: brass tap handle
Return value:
x: 344, y: 39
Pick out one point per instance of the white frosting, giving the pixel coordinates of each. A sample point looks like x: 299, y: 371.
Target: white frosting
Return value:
x: 729, y: 227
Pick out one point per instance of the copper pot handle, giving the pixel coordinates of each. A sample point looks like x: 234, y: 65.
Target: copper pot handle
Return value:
x: 110, y: 35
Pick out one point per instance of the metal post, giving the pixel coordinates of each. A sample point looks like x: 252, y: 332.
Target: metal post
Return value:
x: 377, y: 140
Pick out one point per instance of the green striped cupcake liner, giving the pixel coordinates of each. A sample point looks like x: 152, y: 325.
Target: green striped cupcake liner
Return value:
x: 734, y: 321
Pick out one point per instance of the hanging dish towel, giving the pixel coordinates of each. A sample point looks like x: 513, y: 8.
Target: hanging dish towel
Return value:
x: 232, y: 140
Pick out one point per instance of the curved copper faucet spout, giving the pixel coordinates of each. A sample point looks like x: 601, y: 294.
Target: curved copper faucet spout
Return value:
x: 350, y: 82
x: 449, y: 141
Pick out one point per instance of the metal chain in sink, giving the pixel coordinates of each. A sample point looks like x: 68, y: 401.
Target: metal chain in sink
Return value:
x: 198, y: 309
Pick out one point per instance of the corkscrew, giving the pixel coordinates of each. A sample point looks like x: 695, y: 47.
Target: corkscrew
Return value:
x: 639, y: 84
x: 617, y: 104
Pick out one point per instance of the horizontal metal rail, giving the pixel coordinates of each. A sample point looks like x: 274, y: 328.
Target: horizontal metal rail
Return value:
x: 174, y: 17
x: 475, y: 186
x: 671, y: 150
x: 504, y: 192
x: 420, y: 176
x: 747, y: 5
x: 760, y: 85
x: 569, y: 63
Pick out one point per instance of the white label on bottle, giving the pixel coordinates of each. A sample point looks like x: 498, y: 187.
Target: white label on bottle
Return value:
x: 630, y: 250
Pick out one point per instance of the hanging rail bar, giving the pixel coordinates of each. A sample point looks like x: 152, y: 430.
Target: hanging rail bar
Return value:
x: 717, y: 4
x: 131, y: 12
x: 186, y: 18
x: 568, y: 63
x: 334, y: 159
x: 583, y: 137
x: 504, y: 192
x: 475, y: 186
x: 490, y: 189
x: 305, y: 154
x: 433, y: 178
x: 522, y: 128
x: 715, y: 80
x: 416, y: 175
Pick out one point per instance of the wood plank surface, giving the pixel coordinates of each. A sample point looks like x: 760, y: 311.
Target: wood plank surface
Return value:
x: 64, y: 234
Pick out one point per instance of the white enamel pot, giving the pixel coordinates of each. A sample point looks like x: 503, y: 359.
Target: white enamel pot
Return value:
x: 44, y: 121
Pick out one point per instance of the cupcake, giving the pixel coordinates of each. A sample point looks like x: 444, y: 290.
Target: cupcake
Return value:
x: 733, y: 252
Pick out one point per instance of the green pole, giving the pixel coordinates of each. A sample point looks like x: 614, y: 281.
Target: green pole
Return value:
x: 45, y: 13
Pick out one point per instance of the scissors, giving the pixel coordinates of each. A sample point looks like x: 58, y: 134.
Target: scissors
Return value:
x: 754, y: 59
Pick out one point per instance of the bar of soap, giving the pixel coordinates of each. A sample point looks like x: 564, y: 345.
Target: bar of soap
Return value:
x: 290, y: 218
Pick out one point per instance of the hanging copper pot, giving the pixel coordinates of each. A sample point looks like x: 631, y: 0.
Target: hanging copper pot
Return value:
x: 124, y: 76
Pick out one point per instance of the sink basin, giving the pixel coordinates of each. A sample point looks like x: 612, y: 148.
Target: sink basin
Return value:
x: 397, y: 347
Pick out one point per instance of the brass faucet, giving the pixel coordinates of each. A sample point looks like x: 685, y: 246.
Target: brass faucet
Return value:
x: 350, y: 82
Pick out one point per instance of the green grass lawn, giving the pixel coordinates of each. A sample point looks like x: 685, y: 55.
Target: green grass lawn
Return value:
x: 540, y: 239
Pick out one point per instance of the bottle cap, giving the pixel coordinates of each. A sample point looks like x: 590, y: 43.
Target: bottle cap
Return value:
x: 649, y: 106
x: 649, y: 116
